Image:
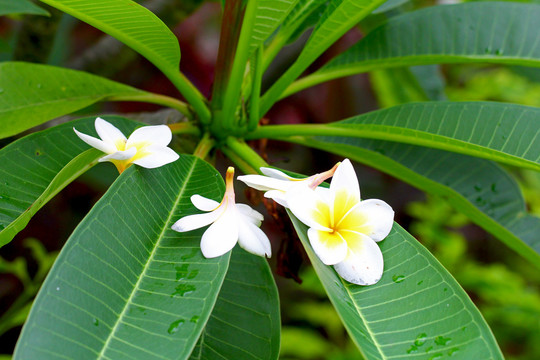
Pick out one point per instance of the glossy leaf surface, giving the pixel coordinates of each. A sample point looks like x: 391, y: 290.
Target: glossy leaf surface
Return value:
x: 245, y: 322
x: 127, y: 285
x: 492, y: 32
x: 38, y: 166
x: 33, y: 94
x: 416, y: 310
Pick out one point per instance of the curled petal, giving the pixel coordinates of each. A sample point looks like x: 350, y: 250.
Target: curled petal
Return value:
x: 253, y: 216
x: 157, y: 156
x: 308, y: 206
x: 253, y: 240
x: 96, y: 143
x: 278, y: 196
x: 363, y: 264
x: 330, y: 247
x: 109, y: 133
x: 276, y: 174
x: 159, y: 135
x: 378, y: 218
x: 191, y: 222
x: 222, y: 235
x: 120, y: 155
x: 265, y: 183
x: 203, y: 203
x: 345, y: 179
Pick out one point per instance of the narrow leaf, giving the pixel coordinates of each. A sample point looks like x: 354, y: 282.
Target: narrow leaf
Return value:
x: 478, y: 188
x: 245, y: 322
x: 21, y: 7
x: 38, y: 166
x: 32, y: 94
x: 416, y: 309
x: 492, y: 32
x: 127, y: 285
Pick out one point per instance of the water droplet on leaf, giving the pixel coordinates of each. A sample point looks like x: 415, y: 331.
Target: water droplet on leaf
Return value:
x: 441, y: 340
x: 183, y: 289
x: 95, y: 322
x: 175, y: 325
x: 398, y: 278
x: 420, y: 339
x: 194, y: 319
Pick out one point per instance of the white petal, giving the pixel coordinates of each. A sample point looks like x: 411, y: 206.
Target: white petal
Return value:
x: 108, y: 132
x: 191, y: 222
x: 276, y: 174
x: 96, y: 143
x: 278, y: 196
x: 379, y: 218
x: 203, y: 203
x: 253, y: 240
x: 222, y: 235
x: 331, y: 248
x: 308, y: 206
x: 120, y: 155
x: 345, y: 178
x: 253, y: 216
x: 265, y: 183
x: 159, y: 156
x: 364, y: 263
x: 159, y: 135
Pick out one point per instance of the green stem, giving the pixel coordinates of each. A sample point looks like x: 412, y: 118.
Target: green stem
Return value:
x: 255, y: 91
x: 158, y: 99
x: 246, y: 153
x: 238, y: 161
x: 184, y: 128
x: 192, y: 95
x: 232, y: 92
x: 205, y: 145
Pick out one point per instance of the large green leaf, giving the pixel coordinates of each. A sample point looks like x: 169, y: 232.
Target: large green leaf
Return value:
x: 416, y: 310
x: 339, y: 17
x: 245, y: 322
x: 493, y: 32
x: 126, y: 286
x: 140, y: 29
x: 38, y: 166
x: 21, y: 7
x: 506, y: 133
x: 32, y: 94
x: 478, y: 188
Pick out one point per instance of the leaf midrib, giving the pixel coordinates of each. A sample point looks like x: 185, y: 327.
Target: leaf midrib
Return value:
x: 136, y: 286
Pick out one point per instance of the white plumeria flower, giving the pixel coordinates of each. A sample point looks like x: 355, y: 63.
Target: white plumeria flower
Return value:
x: 231, y: 223
x: 344, y: 230
x: 276, y: 183
x: 146, y: 146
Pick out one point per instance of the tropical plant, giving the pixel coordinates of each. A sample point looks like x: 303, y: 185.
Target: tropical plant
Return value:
x: 126, y: 285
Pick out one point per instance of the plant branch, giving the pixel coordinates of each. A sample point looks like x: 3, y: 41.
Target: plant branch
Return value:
x: 205, y: 145
x: 246, y: 153
x: 158, y: 99
x: 184, y: 128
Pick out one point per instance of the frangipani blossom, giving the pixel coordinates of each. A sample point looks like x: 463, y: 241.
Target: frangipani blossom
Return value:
x: 343, y: 230
x: 146, y: 146
x: 231, y: 223
x: 276, y: 184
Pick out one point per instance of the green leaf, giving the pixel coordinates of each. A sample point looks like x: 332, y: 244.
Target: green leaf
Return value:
x: 38, y: 166
x: 505, y: 133
x: 125, y: 286
x: 32, y: 94
x: 417, y: 309
x: 478, y: 188
x: 492, y: 32
x: 245, y: 322
x: 140, y: 29
x: 21, y: 7
x: 339, y: 17
x: 396, y: 86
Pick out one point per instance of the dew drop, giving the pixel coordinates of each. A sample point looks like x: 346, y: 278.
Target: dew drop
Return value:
x: 175, y: 325
x: 412, y: 349
x: 183, y: 289
x: 429, y: 348
x: 194, y: 319
x: 420, y: 282
x: 436, y: 356
x: 452, y: 351
x: 95, y: 322
x: 398, y: 278
x: 58, y: 288
x: 181, y: 271
x: 499, y: 52
x: 487, y: 50
x: 420, y: 339
x: 441, y: 340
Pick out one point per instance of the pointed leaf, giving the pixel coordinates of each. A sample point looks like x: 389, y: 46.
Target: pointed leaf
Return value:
x: 21, y: 7
x: 478, y: 188
x: 339, y: 17
x: 488, y: 32
x: 416, y: 309
x: 245, y: 322
x: 125, y: 286
x: 38, y: 166
x: 32, y: 94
